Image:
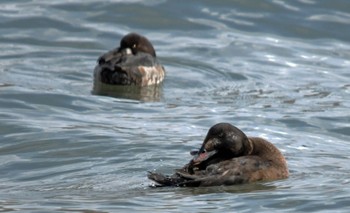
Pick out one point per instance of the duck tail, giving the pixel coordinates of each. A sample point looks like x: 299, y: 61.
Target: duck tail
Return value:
x: 164, y: 180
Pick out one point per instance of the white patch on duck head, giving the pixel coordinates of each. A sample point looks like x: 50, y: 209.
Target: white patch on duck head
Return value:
x: 128, y: 51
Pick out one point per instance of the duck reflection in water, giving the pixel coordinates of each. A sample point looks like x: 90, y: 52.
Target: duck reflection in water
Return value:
x: 147, y: 93
x: 228, y: 157
x: 131, y: 70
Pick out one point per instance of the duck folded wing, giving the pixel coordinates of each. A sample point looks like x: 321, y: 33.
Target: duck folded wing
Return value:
x: 230, y: 172
x: 141, y: 69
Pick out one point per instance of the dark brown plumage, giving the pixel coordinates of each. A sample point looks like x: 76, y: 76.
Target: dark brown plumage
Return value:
x: 134, y: 62
x: 228, y: 157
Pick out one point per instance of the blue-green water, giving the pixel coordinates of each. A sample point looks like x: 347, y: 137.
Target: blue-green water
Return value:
x: 276, y: 69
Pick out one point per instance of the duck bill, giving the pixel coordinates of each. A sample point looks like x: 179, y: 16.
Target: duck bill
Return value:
x: 202, y: 156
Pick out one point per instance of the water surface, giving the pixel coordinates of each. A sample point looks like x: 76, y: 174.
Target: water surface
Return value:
x: 276, y: 69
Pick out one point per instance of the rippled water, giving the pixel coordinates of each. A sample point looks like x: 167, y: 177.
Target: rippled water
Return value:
x: 276, y: 69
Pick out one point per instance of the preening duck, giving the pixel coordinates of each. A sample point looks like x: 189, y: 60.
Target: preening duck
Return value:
x: 227, y: 157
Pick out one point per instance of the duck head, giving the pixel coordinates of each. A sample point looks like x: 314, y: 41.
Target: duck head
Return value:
x: 131, y: 44
x: 134, y: 43
x: 223, y: 141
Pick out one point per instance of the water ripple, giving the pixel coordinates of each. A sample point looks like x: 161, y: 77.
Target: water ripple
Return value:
x: 276, y: 69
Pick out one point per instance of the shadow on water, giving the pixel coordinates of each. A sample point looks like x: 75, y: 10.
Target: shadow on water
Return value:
x: 244, y: 188
x: 151, y: 93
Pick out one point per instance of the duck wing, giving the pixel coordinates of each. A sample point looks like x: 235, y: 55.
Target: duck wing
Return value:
x: 121, y: 69
x: 230, y: 172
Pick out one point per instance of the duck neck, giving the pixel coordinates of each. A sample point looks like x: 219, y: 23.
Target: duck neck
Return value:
x: 264, y: 149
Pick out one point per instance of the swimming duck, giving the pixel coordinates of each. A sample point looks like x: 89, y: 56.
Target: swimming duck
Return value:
x: 227, y: 157
x: 134, y: 62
